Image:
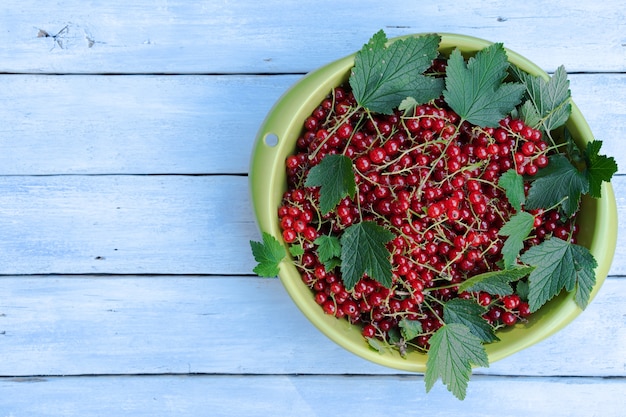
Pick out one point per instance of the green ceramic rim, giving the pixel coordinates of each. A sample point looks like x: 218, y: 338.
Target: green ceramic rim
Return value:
x: 276, y: 140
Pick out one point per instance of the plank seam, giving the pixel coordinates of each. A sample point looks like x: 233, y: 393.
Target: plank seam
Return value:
x: 28, y: 378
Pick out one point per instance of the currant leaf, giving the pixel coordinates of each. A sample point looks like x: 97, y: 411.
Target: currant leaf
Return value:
x: 376, y: 345
x: 335, y: 177
x: 385, y: 75
x: 495, y: 282
x: 522, y: 289
x: 572, y: 149
x: 469, y: 313
x: 408, y: 105
x: 394, y: 337
x: 550, y: 99
x: 329, y: 251
x: 529, y: 115
x: 476, y: 92
x: 513, y: 185
x: 559, y: 265
x: 586, y: 278
x: 363, y: 251
x: 517, y: 228
x: 453, y: 351
x: 410, y: 329
x: 296, y: 250
x: 559, y: 183
x: 268, y: 254
x: 599, y: 168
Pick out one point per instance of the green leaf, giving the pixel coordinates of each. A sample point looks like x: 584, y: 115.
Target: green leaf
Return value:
x: 522, y: 289
x: 376, y: 344
x: 558, y: 183
x: 363, y: 251
x: 476, y: 91
x: 384, y: 75
x: 559, y: 265
x: 395, y: 338
x: 410, y: 329
x: 513, y: 184
x: 599, y: 168
x: 586, y: 277
x: 517, y: 229
x: 408, y: 105
x: 335, y: 177
x: 296, y: 250
x: 550, y: 99
x: 268, y: 255
x: 528, y: 114
x: 329, y: 251
x: 495, y: 282
x: 469, y: 313
x: 571, y: 148
x: 453, y: 351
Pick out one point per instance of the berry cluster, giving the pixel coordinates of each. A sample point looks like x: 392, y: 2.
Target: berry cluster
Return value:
x: 432, y: 180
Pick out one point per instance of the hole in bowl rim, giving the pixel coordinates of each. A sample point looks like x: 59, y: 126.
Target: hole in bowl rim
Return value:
x: 267, y: 181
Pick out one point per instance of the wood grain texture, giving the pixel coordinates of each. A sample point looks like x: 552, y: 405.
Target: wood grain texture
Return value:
x: 174, y: 36
x: 77, y: 325
x: 132, y: 124
x: 307, y: 396
x: 125, y: 277
x: 125, y: 224
x: 186, y: 124
x: 144, y: 224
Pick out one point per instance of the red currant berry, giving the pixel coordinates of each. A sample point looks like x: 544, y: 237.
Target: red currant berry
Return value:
x: 527, y: 133
x: 493, y: 149
x: 500, y: 135
x: 344, y: 131
x: 329, y: 307
x: 484, y: 299
x: 369, y: 331
x: 541, y: 161
x: 528, y: 148
x: 531, y: 169
x: 310, y: 123
x: 299, y: 226
x: 321, y: 297
x: 292, y: 162
x: 434, y: 211
x: 289, y: 235
x: 516, y: 125
x: 511, y: 302
x: 495, y: 313
x: 392, y: 146
x: 377, y: 155
x: 508, y: 318
x: 524, y: 309
x: 350, y: 309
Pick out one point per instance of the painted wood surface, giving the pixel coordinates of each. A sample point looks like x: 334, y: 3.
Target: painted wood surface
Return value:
x: 186, y: 124
x: 276, y: 36
x: 84, y: 325
x: 125, y: 271
x: 306, y: 396
x: 145, y: 224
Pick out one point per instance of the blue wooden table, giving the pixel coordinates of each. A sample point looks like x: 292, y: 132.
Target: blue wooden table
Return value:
x: 125, y: 270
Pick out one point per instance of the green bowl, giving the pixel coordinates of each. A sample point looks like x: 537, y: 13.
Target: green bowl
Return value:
x: 277, y: 139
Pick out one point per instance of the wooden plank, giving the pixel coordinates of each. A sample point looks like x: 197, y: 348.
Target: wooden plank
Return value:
x: 77, y: 325
x: 273, y: 36
x: 307, y: 396
x: 186, y: 124
x: 144, y: 224
x: 125, y: 224
x: 132, y: 124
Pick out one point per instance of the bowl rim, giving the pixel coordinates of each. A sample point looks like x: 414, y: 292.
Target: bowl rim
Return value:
x: 276, y: 137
